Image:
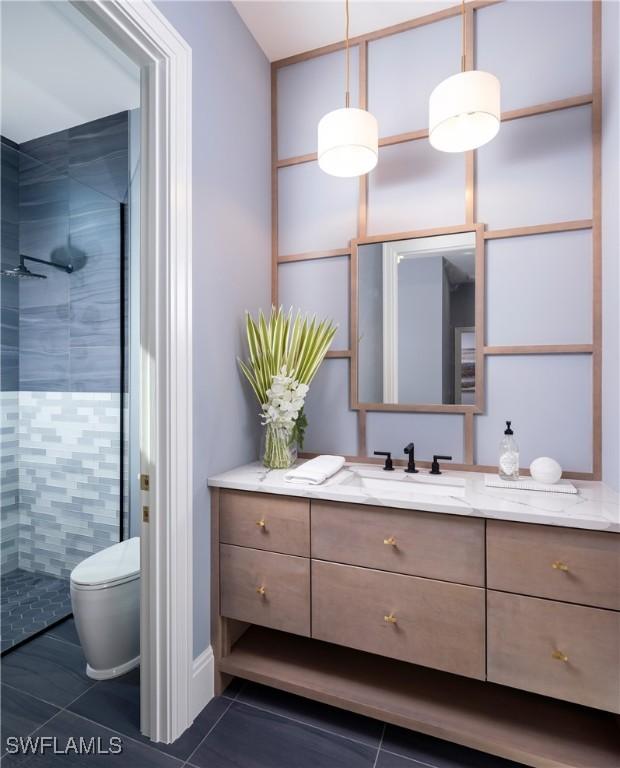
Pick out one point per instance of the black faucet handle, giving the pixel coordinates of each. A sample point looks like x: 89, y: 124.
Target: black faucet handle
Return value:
x: 388, y: 460
x: 410, y: 451
x: 435, y: 465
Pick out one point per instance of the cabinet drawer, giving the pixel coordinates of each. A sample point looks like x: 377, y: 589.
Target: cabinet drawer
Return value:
x: 426, y: 622
x: 263, y: 521
x: 558, y: 563
x: 265, y: 588
x: 436, y: 546
x: 566, y: 651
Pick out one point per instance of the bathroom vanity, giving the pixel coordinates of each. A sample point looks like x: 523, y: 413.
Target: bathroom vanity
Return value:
x: 487, y: 617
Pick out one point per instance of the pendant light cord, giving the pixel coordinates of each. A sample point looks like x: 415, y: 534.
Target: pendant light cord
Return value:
x: 346, y: 51
x: 463, y: 36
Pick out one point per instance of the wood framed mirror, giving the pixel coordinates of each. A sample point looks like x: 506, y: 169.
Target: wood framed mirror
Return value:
x: 417, y: 321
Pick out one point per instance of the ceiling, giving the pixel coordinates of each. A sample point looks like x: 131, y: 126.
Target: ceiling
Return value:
x: 58, y: 70
x: 285, y: 27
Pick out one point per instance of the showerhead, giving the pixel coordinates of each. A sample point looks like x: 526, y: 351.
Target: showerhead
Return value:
x: 22, y: 272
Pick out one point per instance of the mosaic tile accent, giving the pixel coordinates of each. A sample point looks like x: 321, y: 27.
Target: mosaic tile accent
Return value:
x: 69, y: 478
x: 30, y: 602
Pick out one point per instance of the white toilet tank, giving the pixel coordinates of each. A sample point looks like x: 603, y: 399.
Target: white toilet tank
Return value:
x: 105, y: 594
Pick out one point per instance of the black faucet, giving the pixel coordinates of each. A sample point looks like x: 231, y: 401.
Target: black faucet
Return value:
x: 435, y: 465
x: 410, y: 451
x: 388, y: 460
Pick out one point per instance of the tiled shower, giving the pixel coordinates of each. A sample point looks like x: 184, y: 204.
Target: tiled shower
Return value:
x: 64, y: 398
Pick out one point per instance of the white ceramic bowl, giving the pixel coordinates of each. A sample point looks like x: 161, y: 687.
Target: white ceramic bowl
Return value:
x: 545, y: 470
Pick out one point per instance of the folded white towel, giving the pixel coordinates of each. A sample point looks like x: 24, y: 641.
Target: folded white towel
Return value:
x: 315, y: 471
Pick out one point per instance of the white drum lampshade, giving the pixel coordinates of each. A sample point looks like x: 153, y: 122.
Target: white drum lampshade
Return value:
x: 348, y: 142
x: 464, y: 111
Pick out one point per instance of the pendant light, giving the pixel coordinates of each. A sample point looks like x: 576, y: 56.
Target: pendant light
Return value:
x: 348, y: 138
x: 464, y: 110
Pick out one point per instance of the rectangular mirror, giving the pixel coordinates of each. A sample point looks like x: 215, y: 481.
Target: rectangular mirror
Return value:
x: 416, y: 322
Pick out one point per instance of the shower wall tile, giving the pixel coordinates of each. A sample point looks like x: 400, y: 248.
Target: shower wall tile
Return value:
x: 96, y: 285
x: 71, y: 184
x: 9, y: 257
x: 9, y: 477
x: 51, y: 150
x: 44, y: 347
x: 9, y: 348
x: 99, y: 155
x: 69, y: 478
x: 94, y: 368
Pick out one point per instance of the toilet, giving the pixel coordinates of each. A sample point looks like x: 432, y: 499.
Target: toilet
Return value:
x: 105, y: 595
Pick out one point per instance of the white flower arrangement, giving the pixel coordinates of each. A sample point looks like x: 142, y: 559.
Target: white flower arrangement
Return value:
x: 286, y: 398
x: 284, y: 355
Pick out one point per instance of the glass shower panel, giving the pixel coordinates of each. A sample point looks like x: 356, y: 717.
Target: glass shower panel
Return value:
x: 63, y: 210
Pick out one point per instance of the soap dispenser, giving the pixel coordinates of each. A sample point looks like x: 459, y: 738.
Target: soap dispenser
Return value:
x: 509, y: 455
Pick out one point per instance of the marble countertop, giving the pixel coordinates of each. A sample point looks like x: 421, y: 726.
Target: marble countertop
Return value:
x: 595, y: 507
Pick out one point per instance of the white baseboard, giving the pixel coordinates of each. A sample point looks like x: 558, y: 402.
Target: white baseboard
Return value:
x: 203, y: 681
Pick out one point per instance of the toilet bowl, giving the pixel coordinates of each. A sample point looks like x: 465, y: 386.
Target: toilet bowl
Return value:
x: 105, y: 595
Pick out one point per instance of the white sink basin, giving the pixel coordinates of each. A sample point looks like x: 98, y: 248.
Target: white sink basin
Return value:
x: 399, y: 484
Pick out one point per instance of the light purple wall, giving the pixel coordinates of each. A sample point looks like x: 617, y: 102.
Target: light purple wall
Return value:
x: 231, y: 177
x: 611, y: 243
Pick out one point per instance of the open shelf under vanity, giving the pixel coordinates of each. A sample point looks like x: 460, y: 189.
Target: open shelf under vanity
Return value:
x: 513, y: 724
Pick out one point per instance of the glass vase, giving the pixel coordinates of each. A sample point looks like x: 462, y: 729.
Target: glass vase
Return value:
x: 278, y: 447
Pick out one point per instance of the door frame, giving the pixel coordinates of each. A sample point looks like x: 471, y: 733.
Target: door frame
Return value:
x: 143, y: 33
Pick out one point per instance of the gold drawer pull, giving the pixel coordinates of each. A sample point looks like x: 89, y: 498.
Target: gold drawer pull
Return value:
x: 559, y: 566
x: 391, y: 619
x: 261, y: 590
x: 559, y: 656
x: 261, y: 524
x: 390, y: 540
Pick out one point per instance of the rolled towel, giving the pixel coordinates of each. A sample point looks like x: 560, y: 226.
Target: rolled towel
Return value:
x: 315, y: 471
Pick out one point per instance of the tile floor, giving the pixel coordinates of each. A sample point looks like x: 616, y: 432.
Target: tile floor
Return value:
x: 30, y: 602
x: 45, y: 692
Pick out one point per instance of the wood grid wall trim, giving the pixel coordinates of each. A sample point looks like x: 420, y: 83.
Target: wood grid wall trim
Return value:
x: 595, y: 349
x: 274, y: 187
x: 538, y: 229
x: 470, y: 157
x: 515, y: 114
x: 541, y: 349
x: 404, y: 26
x: 314, y: 255
x: 597, y: 286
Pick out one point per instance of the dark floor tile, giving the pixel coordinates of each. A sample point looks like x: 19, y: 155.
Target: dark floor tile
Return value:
x: 21, y: 714
x: 116, y: 704
x: 65, y: 726
x: 66, y: 631
x: 233, y: 689
x: 247, y: 737
x: 436, y: 752
x: 338, y: 721
x: 48, y: 669
x: 388, y: 760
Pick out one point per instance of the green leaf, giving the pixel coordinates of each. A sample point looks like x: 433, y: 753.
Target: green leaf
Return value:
x: 299, y: 343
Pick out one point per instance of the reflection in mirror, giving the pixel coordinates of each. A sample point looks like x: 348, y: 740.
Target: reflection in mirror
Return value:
x: 416, y: 321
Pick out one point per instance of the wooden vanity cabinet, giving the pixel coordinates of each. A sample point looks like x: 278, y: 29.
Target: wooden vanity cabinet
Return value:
x: 265, y: 588
x: 400, y: 541
x: 565, y: 564
x: 501, y: 636
x: 570, y: 652
x: 423, y: 621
